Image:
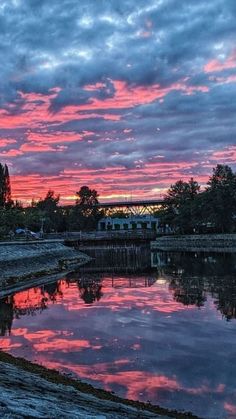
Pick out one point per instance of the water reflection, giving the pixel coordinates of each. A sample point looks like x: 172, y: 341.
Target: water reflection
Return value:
x: 6, y: 315
x: 113, y: 258
x: 156, y: 335
x: 34, y: 300
x: 90, y: 290
x: 192, y: 276
x: 190, y: 279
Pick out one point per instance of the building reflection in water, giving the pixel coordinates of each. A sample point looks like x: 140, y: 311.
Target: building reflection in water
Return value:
x: 191, y: 277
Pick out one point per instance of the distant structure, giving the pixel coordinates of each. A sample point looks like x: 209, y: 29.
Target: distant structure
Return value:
x: 130, y: 207
x: 131, y: 222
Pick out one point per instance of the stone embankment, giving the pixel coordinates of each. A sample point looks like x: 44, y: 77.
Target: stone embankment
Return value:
x: 197, y: 243
x: 32, y: 391
x: 25, y: 395
x: 25, y: 261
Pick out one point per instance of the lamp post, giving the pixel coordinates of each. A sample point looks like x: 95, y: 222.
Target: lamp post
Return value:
x: 42, y: 226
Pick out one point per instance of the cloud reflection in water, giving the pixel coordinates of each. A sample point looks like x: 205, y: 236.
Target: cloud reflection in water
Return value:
x: 143, y: 342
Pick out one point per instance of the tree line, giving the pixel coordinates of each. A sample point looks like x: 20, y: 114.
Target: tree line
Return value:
x: 186, y: 208
x: 46, y: 214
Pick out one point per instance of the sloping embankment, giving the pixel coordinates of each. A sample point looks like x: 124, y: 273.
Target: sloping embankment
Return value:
x: 26, y: 260
x: 31, y: 391
x: 197, y: 243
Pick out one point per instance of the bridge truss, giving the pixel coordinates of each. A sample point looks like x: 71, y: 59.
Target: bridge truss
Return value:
x: 130, y: 207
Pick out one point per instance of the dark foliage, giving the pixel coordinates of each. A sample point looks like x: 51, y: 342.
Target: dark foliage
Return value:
x: 188, y: 210
x: 5, y: 187
x: 185, y: 208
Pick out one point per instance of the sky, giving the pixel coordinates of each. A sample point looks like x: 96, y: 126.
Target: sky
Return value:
x: 124, y: 96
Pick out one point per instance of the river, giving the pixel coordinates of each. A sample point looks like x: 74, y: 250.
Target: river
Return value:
x: 164, y: 334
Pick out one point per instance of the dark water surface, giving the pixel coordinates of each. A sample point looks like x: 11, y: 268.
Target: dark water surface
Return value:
x: 167, y: 335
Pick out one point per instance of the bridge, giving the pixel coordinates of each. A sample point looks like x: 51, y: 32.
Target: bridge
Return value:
x: 130, y: 207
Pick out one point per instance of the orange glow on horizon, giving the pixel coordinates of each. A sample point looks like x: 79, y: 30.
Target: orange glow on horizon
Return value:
x: 141, y: 183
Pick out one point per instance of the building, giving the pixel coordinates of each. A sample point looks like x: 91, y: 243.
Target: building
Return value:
x: 132, y: 222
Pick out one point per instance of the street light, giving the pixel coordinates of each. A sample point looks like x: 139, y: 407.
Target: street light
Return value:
x: 42, y: 225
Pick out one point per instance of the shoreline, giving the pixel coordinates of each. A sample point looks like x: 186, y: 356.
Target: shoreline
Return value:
x: 209, y: 243
x: 23, y: 264
x: 84, y: 397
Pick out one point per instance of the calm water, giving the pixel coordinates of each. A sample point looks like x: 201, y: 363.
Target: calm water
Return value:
x: 167, y: 335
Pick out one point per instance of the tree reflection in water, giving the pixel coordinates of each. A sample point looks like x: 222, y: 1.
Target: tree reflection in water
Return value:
x: 36, y: 300
x: 192, y: 276
x: 6, y: 316
x: 189, y: 292
x: 90, y: 290
x: 29, y: 302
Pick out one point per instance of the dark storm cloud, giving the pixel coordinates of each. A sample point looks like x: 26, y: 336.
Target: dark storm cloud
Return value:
x: 45, y: 44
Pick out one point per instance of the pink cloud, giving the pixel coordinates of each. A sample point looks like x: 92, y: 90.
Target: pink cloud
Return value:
x: 230, y: 409
x: 6, y: 141
x: 142, y: 181
x: 36, y: 114
x: 227, y: 155
x: 55, y: 137
x: 34, y: 147
x: 7, y: 345
x: 11, y: 153
x: 130, y: 96
x: 223, y: 80
x: 136, y: 382
x: 94, y: 87
x: 63, y: 345
x: 216, y: 65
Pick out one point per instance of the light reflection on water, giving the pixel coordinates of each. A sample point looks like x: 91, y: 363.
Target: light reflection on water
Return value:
x: 167, y: 336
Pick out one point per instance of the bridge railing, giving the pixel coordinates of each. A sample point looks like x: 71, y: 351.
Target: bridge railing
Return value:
x: 104, y: 235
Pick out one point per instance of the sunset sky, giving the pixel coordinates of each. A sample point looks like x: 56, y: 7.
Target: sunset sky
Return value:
x: 125, y: 96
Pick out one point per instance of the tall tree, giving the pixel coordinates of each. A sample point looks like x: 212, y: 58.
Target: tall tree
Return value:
x: 85, y: 215
x: 220, y: 199
x: 223, y: 176
x: 5, y: 186
x: 50, y: 202
x: 87, y: 197
x: 181, y: 192
x: 179, y: 205
x: 49, y: 212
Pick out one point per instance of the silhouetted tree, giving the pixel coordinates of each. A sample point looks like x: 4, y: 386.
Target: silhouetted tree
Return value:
x: 49, y: 203
x: 10, y: 219
x: 50, y: 211
x: 179, y: 205
x: 220, y: 199
x: 87, y: 197
x: 5, y: 186
x: 85, y: 215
